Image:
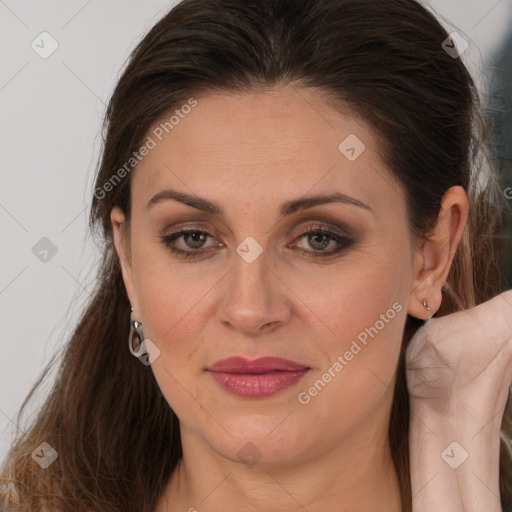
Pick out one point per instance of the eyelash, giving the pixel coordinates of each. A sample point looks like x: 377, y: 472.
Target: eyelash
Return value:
x: 344, y: 242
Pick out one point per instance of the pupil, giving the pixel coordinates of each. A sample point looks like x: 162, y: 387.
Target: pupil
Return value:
x: 319, y: 236
x: 196, y: 237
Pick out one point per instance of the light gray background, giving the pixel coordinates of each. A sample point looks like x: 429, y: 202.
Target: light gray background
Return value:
x: 51, y: 113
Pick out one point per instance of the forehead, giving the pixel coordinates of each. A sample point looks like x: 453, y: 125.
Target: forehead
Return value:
x: 264, y: 145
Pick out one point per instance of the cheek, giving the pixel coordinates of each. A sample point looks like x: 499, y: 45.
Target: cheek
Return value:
x: 363, y: 314
x: 174, y: 308
x: 356, y: 382
x: 364, y: 317
x: 177, y: 302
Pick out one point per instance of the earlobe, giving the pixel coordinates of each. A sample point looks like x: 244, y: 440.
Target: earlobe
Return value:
x: 434, y: 257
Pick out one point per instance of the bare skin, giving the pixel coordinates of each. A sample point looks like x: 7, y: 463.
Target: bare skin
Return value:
x: 459, y: 370
x: 250, y: 153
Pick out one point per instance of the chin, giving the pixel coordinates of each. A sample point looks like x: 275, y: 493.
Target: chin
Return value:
x: 260, y: 439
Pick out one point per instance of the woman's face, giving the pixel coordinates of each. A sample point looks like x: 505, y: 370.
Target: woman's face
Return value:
x: 254, y: 285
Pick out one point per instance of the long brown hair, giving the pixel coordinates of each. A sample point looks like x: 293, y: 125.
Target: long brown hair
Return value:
x: 117, y: 438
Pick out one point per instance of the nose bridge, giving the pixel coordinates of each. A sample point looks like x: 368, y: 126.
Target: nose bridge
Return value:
x: 253, y: 297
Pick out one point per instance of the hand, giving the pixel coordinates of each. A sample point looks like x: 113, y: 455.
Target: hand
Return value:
x: 461, y: 364
x: 459, y: 370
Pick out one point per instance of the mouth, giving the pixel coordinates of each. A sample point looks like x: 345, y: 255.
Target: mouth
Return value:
x: 259, y: 378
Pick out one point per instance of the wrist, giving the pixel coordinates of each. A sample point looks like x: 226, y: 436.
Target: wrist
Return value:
x: 454, y: 464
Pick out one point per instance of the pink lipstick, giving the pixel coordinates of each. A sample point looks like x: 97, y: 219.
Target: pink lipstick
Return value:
x: 259, y: 378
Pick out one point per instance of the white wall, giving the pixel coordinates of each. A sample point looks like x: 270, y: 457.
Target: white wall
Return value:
x: 51, y: 111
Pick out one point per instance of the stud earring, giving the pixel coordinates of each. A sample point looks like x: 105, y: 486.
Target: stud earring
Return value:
x: 425, y: 305
x: 136, y: 335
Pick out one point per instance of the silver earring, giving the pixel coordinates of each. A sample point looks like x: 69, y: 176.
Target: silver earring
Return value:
x: 137, y: 335
x: 425, y: 305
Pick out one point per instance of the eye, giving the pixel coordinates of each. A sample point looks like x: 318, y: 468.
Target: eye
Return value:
x: 318, y: 238
x: 192, y: 238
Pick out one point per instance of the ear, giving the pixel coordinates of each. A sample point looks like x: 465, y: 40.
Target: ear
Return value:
x: 121, y: 235
x: 434, y: 256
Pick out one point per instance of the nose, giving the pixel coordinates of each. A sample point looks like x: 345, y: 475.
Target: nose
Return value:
x: 255, y: 298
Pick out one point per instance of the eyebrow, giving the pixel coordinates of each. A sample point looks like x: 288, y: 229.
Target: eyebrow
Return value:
x: 287, y: 208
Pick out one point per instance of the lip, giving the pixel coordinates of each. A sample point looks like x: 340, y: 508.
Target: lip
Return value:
x: 259, y: 378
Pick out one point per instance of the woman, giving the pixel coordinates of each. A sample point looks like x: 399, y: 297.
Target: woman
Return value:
x: 287, y: 193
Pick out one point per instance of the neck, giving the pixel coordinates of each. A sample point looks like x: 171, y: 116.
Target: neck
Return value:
x: 357, y: 474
